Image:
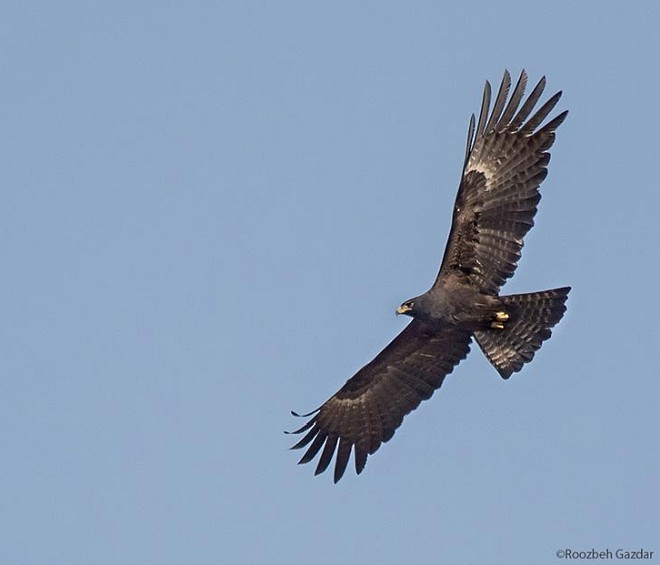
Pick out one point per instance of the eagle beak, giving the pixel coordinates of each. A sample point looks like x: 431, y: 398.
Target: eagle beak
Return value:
x: 403, y: 309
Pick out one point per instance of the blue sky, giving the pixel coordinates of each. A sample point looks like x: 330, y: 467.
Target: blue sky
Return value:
x: 209, y: 213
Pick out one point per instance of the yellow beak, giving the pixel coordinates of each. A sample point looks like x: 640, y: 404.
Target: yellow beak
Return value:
x: 403, y: 309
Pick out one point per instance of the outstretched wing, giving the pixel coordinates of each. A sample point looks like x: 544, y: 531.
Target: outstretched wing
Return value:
x: 505, y: 163
x: 368, y: 409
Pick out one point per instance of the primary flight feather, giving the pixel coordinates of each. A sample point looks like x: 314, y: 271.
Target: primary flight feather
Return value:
x: 505, y: 163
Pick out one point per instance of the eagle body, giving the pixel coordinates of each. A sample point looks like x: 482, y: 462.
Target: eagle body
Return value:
x: 506, y: 161
x: 454, y: 302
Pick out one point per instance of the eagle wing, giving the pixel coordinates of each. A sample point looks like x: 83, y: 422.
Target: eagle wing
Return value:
x: 368, y: 409
x: 505, y: 163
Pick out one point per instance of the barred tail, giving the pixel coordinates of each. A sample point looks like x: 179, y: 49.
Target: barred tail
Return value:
x: 530, y: 317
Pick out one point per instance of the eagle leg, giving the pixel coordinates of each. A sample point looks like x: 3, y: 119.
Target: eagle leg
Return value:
x: 498, y: 320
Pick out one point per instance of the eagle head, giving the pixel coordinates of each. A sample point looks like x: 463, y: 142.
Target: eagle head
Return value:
x: 407, y: 308
x: 418, y: 307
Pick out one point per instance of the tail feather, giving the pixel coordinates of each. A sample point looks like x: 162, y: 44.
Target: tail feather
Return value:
x: 530, y: 318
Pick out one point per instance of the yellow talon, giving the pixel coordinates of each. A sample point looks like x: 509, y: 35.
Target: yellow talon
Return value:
x: 501, y: 316
x: 497, y: 325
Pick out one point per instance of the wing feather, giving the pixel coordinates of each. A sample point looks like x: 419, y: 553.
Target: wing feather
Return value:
x: 483, y: 113
x: 326, y: 456
x: 316, y: 446
x: 529, y: 104
x: 506, y: 162
x: 470, y: 141
x: 369, y: 408
x: 343, y: 455
x: 541, y: 114
x: 309, y: 436
x: 498, y: 107
x: 516, y: 97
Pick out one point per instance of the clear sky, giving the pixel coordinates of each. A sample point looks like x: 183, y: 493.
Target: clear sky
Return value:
x: 209, y: 212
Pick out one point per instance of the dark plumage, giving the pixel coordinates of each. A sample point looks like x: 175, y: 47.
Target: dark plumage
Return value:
x: 505, y: 162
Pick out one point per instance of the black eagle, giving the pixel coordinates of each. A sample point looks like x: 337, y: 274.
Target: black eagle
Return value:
x: 506, y: 161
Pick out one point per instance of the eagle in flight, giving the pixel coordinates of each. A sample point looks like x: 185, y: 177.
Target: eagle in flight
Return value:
x: 506, y: 161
